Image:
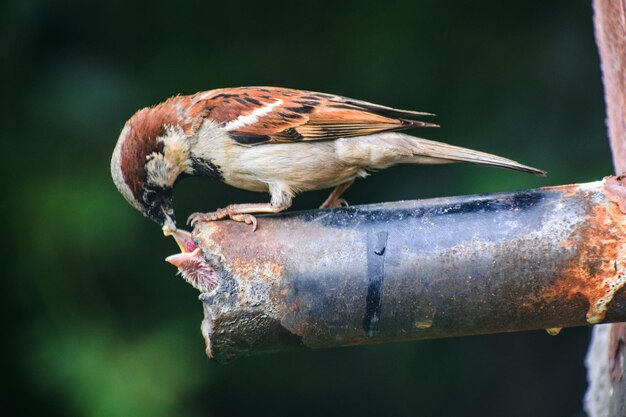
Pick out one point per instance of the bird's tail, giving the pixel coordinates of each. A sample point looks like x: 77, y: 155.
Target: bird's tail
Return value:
x: 386, y: 149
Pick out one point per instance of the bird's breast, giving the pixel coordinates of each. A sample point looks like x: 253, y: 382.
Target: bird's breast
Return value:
x: 301, y: 166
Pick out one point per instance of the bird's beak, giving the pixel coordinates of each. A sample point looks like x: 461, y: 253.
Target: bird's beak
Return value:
x: 188, y: 248
x: 169, y: 225
x: 181, y: 258
x: 183, y: 238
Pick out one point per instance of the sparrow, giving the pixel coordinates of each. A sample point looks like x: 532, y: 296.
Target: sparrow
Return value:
x: 269, y: 139
x: 191, y: 264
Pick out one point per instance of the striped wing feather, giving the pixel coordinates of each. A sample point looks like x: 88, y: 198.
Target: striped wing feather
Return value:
x: 255, y: 115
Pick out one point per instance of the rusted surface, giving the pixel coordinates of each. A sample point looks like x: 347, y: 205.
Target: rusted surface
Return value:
x: 537, y: 259
x: 596, y: 269
x: 615, y: 190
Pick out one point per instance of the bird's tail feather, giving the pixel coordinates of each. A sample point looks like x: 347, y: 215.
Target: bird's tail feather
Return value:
x: 399, y: 148
x: 455, y: 153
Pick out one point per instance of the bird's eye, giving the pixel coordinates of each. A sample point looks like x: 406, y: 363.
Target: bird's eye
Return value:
x: 149, y: 194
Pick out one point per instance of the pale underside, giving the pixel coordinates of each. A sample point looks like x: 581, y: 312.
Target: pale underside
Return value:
x: 303, y: 166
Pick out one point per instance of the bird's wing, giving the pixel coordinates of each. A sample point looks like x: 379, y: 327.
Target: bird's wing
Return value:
x: 256, y: 115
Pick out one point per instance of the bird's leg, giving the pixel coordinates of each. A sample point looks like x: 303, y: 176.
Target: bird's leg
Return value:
x: 241, y: 212
x: 334, y: 200
x: 237, y: 212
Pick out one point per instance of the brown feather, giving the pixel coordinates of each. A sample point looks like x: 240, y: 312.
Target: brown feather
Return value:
x: 302, y: 115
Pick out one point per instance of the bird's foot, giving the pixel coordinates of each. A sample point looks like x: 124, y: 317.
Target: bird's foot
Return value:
x: 245, y: 218
x: 334, y: 203
x: 226, y: 212
x: 334, y: 200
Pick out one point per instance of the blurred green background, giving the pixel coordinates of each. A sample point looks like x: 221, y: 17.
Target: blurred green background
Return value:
x: 98, y: 325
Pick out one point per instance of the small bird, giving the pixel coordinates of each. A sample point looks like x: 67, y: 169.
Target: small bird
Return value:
x: 191, y: 264
x: 269, y: 139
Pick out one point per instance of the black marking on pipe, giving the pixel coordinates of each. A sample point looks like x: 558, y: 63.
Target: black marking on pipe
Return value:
x: 376, y: 246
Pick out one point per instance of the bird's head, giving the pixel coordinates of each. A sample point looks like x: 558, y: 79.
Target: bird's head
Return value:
x: 151, y: 154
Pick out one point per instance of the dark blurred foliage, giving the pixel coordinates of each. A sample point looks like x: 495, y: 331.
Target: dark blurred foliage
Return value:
x: 98, y: 325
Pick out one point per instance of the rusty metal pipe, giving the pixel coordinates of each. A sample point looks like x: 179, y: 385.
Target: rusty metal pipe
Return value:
x: 545, y: 258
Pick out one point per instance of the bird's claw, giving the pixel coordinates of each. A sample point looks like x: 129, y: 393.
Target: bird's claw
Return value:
x: 337, y: 203
x: 196, y: 218
x: 245, y: 218
x: 220, y: 214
